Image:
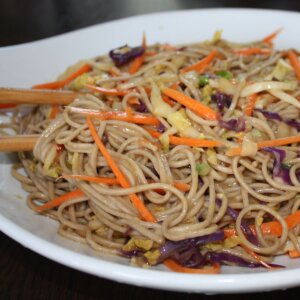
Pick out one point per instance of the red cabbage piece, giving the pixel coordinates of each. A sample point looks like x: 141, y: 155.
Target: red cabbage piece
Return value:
x: 278, y: 170
x: 178, y: 248
x: 161, y: 128
x: 236, y: 125
x: 222, y: 100
x: 293, y: 123
x: 123, y: 55
x: 276, y: 116
x: 244, y: 225
x: 269, y: 114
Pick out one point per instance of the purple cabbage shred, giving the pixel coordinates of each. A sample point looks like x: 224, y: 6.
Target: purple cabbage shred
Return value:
x: 278, y: 170
x: 236, y: 125
x: 222, y: 100
x: 123, y: 55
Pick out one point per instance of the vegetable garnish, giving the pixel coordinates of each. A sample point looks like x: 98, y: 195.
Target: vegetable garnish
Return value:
x: 197, y: 107
x: 259, y: 259
x: 202, y: 64
x: 269, y: 38
x: 125, y: 54
x: 252, y: 51
x: 176, y: 267
x: 251, y: 100
x: 187, y: 141
x: 61, y: 83
x: 126, y: 116
x: 59, y: 200
x: 105, y: 91
x: 269, y: 143
x: 54, y: 111
x: 295, y: 63
x: 272, y: 227
x: 137, y: 202
x: 225, y: 74
x: 138, y: 61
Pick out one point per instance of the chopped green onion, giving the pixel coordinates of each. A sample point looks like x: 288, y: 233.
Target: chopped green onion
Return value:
x: 203, y: 80
x: 225, y: 74
x: 203, y: 169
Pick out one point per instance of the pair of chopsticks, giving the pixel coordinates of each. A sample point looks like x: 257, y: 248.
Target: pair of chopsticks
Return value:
x: 19, y: 143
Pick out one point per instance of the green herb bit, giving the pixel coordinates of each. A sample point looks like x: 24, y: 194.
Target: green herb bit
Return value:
x: 225, y: 74
x: 203, y: 80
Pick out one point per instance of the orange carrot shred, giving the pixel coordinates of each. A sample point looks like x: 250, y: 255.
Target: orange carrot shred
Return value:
x: 199, y: 108
x: 176, y: 267
x: 269, y: 38
x: 294, y: 62
x: 252, y: 51
x: 250, y: 104
x: 61, y: 83
x: 59, y: 200
x: 294, y: 254
x: 126, y: 116
x: 235, y: 151
x: 257, y: 258
x: 272, y: 227
x: 54, y: 111
x: 202, y: 64
x: 137, y: 202
x: 187, y: 141
x: 137, y: 62
x: 94, y: 179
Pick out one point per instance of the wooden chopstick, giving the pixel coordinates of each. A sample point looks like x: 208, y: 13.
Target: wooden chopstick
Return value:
x: 35, y: 96
x: 18, y: 143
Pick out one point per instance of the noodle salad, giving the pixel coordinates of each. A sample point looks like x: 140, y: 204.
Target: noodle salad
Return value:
x: 187, y: 156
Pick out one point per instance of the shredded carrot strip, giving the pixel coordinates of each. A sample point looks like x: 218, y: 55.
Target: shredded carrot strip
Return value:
x: 199, y: 108
x: 294, y: 254
x: 133, y: 101
x: 269, y: 38
x: 273, y: 227
x: 54, y: 111
x: 137, y: 202
x: 257, y: 258
x: 269, y: 143
x: 187, y: 141
x: 168, y: 100
x: 59, y: 200
x: 202, y: 64
x: 138, y: 62
x: 7, y: 105
x: 126, y: 116
x: 252, y: 51
x: 95, y: 179
x: 113, y: 92
x: 250, y: 104
x: 61, y: 83
x: 176, y: 267
x: 294, y: 62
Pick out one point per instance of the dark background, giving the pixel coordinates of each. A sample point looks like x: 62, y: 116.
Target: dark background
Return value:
x: 24, y: 274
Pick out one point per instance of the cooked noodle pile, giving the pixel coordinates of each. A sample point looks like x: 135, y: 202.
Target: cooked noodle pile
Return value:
x: 210, y: 206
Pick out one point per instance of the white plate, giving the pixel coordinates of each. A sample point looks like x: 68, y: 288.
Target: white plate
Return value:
x: 25, y: 65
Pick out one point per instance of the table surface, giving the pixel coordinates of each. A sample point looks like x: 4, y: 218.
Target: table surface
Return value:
x: 25, y: 274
